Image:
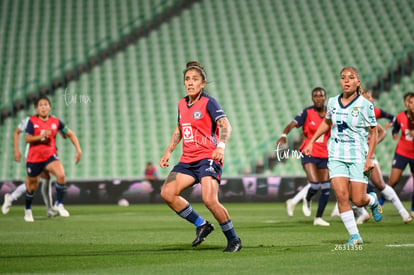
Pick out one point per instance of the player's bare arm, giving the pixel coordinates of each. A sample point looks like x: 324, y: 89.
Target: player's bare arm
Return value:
x: 175, y: 140
x: 225, y: 129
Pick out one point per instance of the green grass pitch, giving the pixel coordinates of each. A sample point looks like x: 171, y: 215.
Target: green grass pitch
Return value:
x: 152, y: 239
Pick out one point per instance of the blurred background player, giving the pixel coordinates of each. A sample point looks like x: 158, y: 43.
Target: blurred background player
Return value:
x: 404, y: 151
x: 351, y: 119
x: 316, y: 165
x: 151, y: 175
x: 205, y: 130
x: 376, y: 173
x: 45, y: 179
x: 41, y: 133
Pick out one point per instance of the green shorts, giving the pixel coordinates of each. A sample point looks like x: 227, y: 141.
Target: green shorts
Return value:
x: 353, y: 171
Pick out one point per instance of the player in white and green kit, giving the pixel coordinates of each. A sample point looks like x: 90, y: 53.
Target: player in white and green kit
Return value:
x: 351, y: 118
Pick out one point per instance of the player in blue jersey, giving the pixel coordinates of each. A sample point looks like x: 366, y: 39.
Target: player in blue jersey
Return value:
x: 351, y: 118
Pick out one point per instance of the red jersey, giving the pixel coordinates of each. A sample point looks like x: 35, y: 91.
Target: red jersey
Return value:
x: 309, y: 119
x: 405, y: 145
x: 379, y: 113
x: 39, y: 152
x: 199, y: 129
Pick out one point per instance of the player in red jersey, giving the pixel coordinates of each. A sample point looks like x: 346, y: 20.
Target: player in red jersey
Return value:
x: 41, y: 133
x: 205, y: 130
x: 315, y: 165
x: 404, y: 152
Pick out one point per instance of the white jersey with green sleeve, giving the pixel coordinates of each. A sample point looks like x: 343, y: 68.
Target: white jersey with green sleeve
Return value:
x: 22, y: 126
x: 349, y: 131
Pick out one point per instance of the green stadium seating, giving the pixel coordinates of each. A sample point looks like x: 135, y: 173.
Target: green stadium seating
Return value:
x: 262, y: 60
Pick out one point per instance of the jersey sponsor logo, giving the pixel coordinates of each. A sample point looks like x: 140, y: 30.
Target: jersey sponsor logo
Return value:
x: 197, y: 115
x: 187, y: 132
x: 312, y: 122
x: 355, y: 112
x: 342, y: 126
x: 337, y: 140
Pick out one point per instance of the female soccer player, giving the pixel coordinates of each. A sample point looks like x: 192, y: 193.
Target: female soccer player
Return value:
x: 200, y: 119
x: 41, y: 133
x: 351, y: 118
x: 404, y: 152
x: 45, y: 179
x: 316, y: 165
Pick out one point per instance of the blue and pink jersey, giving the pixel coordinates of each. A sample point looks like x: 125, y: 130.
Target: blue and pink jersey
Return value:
x: 198, y: 123
x: 40, y: 152
x: 309, y: 119
x: 405, y: 145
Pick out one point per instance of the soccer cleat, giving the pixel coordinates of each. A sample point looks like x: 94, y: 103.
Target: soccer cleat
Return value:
x: 290, y: 207
x: 233, y: 246
x: 62, y: 211
x: 407, y: 218
x: 376, y: 209
x: 6, y: 204
x: 306, y: 207
x: 321, y: 222
x: 362, y: 218
x: 202, y: 232
x: 52, y: 212
x: 28, y: 216
x: 354, y: 240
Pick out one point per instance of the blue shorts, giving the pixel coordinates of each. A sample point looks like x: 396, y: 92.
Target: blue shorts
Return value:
x: 353, y: 171
x: 400, y: 162
x: 34, y: 169
x: 200, y: 169
x: 321, y: 163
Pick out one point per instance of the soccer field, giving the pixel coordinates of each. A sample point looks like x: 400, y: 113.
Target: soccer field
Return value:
x: 151, y: 239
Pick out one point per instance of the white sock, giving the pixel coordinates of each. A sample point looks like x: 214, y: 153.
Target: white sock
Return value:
x: 46, y: 192
x: 349, y: 221
x: 20, y: 190
x: 371, y: 200
x: 390, y: 195
x: 301, y: 194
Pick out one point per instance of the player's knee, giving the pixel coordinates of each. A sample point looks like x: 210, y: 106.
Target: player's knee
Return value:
x: 61, y: 178
x: 166, y: 194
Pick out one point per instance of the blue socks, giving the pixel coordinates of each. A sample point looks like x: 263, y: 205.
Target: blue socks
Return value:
x: 60, y: 193
x: 190, y: 215
x: 323, y: 198
x: 29, y: 199
x: 229, y: 231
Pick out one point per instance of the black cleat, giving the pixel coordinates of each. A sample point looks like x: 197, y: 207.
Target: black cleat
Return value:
x: 233, y: 246
x: 202, y: 232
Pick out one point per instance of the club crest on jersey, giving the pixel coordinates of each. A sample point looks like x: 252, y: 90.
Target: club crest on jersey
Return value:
x: 54, y: 127
x: 355, y: 112
x: 187, y: 132
x: 197, y: 115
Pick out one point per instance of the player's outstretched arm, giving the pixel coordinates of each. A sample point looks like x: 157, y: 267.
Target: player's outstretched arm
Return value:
x: 225, y: 132
x: 71, y: 135
x: 17, y: 154
x: 322, y: 129
x: 175, y: 140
